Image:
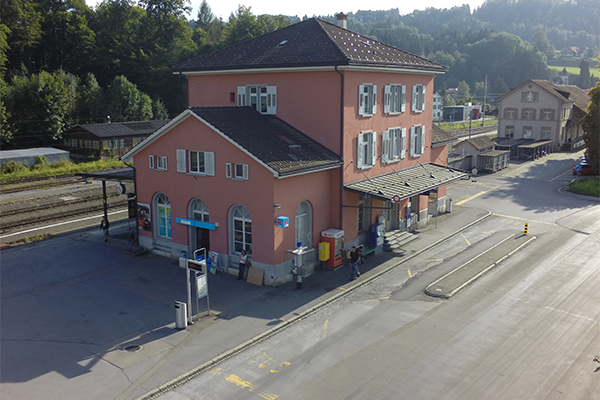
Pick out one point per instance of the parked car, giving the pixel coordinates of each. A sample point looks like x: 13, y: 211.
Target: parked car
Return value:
x: 583, y: 169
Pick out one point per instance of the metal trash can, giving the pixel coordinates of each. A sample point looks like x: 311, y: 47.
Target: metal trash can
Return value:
x: 180, y: 315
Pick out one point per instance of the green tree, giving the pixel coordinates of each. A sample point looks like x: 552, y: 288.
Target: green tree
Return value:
x: 205, y: 16
x: 123, y: 100
x: 6, y: 133
x: 23, y: 29
x: 90, y: 101
x: 584, y: 75
x: 500, y: 87
x: 591, y: 128
x: 159, y: 111
x: 41, y: 107
x: 479, y: 90
x: 464, y: 91
x: 541, y: 43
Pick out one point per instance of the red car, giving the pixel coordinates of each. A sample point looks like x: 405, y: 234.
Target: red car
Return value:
x: 583, y: 169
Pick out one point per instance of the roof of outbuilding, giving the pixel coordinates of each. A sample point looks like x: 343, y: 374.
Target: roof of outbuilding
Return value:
x: 481, y: 142
x: 117, y: 129
x: 310, y: 43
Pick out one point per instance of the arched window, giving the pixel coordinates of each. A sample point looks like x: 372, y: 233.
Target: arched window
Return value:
x: 242, y: 229
x: 163, y: 210
x: 304, y: 224
x: 199, y: 210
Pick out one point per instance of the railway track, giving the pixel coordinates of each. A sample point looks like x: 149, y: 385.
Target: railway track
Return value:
x: 39, y: 183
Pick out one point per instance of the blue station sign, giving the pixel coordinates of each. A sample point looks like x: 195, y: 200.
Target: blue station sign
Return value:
x: 197, y: 224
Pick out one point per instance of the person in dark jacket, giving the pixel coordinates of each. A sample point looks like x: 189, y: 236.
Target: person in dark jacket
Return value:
x: 354, y: 264
x: 104, y: 225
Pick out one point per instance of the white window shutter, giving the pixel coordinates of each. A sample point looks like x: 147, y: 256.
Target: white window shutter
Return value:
x: 271, y: 99
x: 423, y: 99
x: 241, y: 92
x: 181, y: 167
x: 385, y: 146
x: 374, y: 148
x: 228, y: 170
x: 359, y: 152
x: 361, y: 100
x: 414, y: 101
x: 245, y: 171
x: 151, y: 159
x: 387, y: 93
x: 374, y: 100
x: 403, y: 144
x: 165, y: 159
x: 412, y: 141
x: 403, y: 98
x: 422, y: 137
x: 209, y: 163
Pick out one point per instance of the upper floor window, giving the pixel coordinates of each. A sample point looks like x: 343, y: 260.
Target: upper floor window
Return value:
x: 199, y: 162
x: 509, y: 113
x: 394, y: 99
x: 262, y: 98
x: 527, y: 132
x: 158, y: 163
x: 393, y: 145
x: 417, y: 140
x: 545, y: 132
x: 547, y: 114
x: 528, y: 114
x: 367, y: 149
x: 236, y: 171
x: 529, y: 96
x: 367, y: 99
x: 418, y: 98
x: 509, y: 131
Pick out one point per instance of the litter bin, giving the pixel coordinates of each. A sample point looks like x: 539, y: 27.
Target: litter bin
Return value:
x: 180, y: 315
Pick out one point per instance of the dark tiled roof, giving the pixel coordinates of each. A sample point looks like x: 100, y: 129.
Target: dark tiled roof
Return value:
x: 310, y: 43
x: 440, y: 137
x: 117, y: 129
x: 579, y: 96
x: 271, y: 140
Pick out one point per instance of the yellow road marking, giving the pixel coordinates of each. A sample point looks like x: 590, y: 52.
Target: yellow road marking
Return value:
x: 268, y: 396
x: 468, y: 243
x: 264, y: 364
x: 460, y: 203
x: 236, y: 380
x: 257, y: 358
x: 525, y: 219
x: 434, y: 260
x: 283, y: 364
x: 409, y: 274
x: 325, y: 329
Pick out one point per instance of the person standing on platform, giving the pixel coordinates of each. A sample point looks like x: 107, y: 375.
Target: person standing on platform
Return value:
x: 243, y: 260
x: 354, y: 264
x: 104, y: 225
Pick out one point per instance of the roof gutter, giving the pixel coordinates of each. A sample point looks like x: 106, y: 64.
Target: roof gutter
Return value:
x: 341, y: 215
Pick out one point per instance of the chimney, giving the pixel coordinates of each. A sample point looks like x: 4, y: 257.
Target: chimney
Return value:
x: 342, y: 20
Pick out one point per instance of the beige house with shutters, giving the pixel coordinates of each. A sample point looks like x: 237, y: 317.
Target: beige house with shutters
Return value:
x: 541, y: 110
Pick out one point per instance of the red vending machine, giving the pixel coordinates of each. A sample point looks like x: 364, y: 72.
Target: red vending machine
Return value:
x: 335, y: 238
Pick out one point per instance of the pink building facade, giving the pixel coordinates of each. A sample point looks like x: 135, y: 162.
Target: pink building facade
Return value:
x: 311, y: 122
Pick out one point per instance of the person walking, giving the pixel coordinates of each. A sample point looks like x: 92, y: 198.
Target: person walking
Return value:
x: 104, y: 225
x: 354, y: 264
x: 243, y: 260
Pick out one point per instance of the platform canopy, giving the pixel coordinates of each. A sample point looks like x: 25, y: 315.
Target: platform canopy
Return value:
x: 115, y: 174
x: 405, y: 183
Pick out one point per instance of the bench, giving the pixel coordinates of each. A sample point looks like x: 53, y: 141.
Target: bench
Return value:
x: 365, y: 250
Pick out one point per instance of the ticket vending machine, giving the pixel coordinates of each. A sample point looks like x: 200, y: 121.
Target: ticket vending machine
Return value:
x: 335, y: 238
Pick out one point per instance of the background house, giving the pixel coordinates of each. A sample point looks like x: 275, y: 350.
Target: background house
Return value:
x: 484, y: 157
x: 541, y: 110
x: 108, y: 139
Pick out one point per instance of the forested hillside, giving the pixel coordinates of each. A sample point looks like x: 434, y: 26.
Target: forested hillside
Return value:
x: 63, y: 63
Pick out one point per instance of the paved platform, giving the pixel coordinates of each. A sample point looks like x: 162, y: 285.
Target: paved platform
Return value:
x: 71, y: 306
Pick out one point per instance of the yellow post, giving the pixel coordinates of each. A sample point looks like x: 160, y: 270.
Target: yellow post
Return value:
x: 525, y: 233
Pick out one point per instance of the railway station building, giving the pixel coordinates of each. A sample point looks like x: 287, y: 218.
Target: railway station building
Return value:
x: 307, y: 129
